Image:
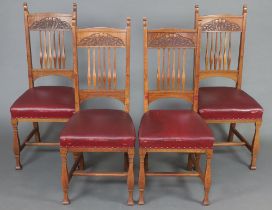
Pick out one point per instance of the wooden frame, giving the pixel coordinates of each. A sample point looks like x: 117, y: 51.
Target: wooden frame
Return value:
x: 98, y: 38
x: 166, y: 39
x: 193, y: 163
x: 228, y: 24
x: 51, y: 63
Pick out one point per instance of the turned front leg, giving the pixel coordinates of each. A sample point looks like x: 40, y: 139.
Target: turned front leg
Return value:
x: 130, y: 177
x: 141, y: 180
x: 255, y: 145
x: 16, y: 144
x: 207, y: 177
x: 64, y: 176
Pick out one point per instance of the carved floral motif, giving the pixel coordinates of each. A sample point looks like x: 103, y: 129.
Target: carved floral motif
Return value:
x: 50, y: 23
x: 169, y: 40
x: 101, y: 39
x: 220, y: 25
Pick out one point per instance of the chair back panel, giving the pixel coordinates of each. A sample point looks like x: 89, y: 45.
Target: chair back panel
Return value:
x: 218, y: 34
x: 171, y: 47
x: 51, y: 28
x: 101, y: 46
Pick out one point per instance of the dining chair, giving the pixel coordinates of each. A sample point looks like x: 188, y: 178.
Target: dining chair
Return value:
x: 101, y: 130
x: 44, y: 103
x: 222, y: 104
x: 173, y: 131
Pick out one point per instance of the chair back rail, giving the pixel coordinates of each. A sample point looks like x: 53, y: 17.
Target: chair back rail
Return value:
x: 219, y: 30
x: 101, y: 46
x: 171, y: 46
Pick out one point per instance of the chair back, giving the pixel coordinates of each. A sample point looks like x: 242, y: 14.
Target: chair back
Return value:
x: 101, y: 46
x: 51, y: 29
x: 217, y: 39
x: 171, y: 47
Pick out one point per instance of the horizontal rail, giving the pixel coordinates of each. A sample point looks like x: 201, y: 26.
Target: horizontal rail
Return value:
x: 42, y: 144
x: 102, y: 29
x: 42, y: 73
x: 218, y: 73
x: 42, y: 119
x: 154, y: 95
x: 172, y: 174
x: 88, y: 94
x: 227, y: 121
x: 163, y: 150
x: 102, y: 149
x: 230, y: 144
x: 112, y: 174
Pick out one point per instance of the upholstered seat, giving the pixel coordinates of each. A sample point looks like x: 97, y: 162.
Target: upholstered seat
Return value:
x: 181, y: 129
x: 99, y: 128
x: 45, y: 102
x: 227, y: 103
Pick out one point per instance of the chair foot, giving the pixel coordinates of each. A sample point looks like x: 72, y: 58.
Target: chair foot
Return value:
x: 141, y: 198
x: 251, y: 167
x: 206, y: 202
x: 66, y: 202
x: 18, y: 163
x: 253, y: 162
x: 130, y: 203
x: 19, y: 167
x: 130, y: 198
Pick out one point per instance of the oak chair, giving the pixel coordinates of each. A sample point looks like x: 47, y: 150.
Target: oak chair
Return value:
x: 227, y: 104
x: 44, y: 103
x: 181, y: 131
x: 100, y: 130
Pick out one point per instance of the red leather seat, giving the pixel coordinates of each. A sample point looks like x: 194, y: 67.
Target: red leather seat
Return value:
x: 227, y: 103
x: 45, y: 102
x: 99, y: 128
x: 174, y: 129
